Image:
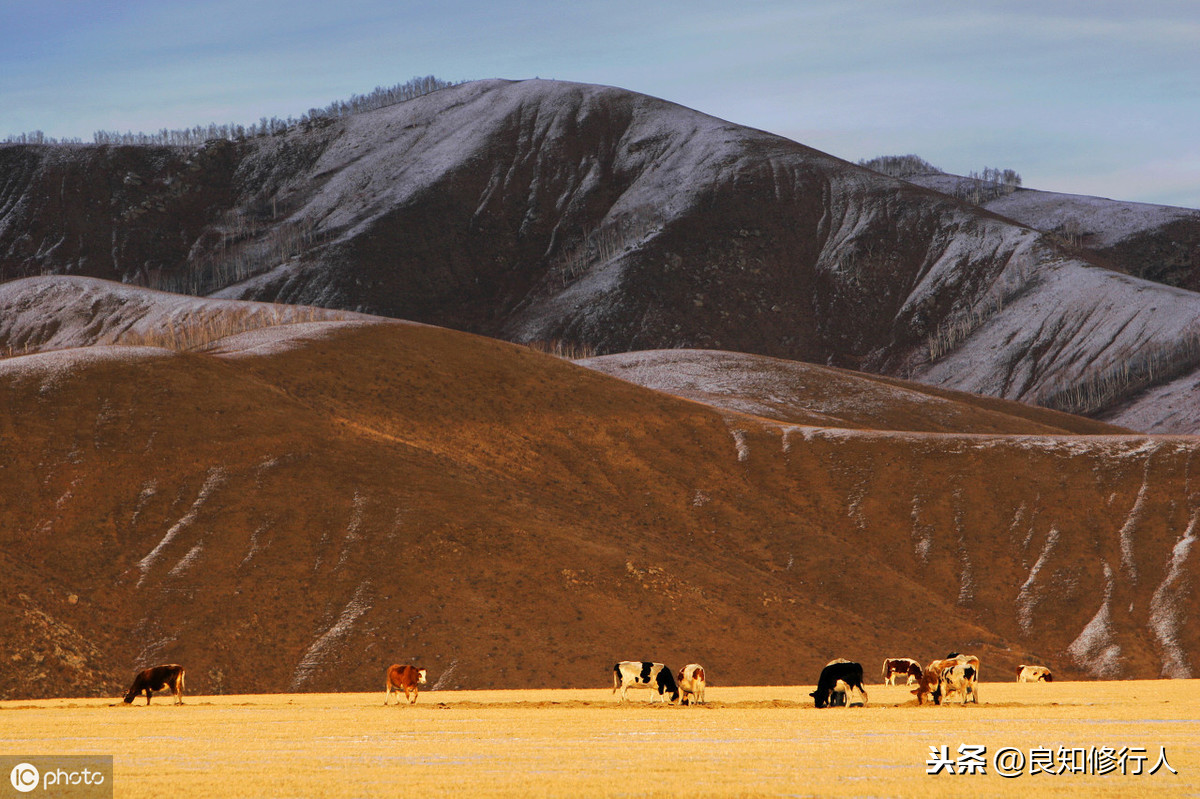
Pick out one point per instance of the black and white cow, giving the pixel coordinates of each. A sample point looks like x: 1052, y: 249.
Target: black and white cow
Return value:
x: 837, y: 679
x: 642, y: 674
x: 959, y: 678
x: 955, y: 674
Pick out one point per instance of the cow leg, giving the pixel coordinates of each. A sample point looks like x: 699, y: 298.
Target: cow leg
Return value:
x: 416, y: 691
x: 387, y: 693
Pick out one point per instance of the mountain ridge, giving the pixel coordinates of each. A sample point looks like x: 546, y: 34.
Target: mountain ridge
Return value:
x: 540, y: 210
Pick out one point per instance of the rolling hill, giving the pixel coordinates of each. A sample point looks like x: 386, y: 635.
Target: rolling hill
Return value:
x: 550, y: 211
x: 291, y: 499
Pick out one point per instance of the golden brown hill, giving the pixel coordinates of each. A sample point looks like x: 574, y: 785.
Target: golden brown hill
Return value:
x: 301, y: 505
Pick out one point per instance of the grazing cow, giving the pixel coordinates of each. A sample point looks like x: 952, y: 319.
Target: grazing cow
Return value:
x: 836, y: 680
x: 928, y: 686
x: 893, y: 667
x: 970, y: 660
x: 691, y: 683
x: 959, y: 677
x: 404, y: 678
x: 931, y: 685
x: 1034, y: 674
x: 156, y: 679
x: 642, y: 674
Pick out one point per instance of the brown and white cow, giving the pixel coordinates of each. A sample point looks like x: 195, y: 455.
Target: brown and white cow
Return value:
x: 157, y: 678
x: 933, y: 684
x: 692, y: 682
x: 644, y: 674
x: 927, y: 685
x: 1034, y: 674
x: 404, y: 678
x: 894, y: 667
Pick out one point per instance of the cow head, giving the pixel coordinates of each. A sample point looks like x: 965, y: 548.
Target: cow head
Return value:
x: 667, y: 684
x: 929, y: 685
x: 421, y: 676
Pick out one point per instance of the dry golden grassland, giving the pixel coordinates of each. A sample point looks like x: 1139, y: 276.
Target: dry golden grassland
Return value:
x: 748, y: 741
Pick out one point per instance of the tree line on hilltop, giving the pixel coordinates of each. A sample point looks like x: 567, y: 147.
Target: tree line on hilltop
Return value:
x: 978, y: 187
x: 380, y: 97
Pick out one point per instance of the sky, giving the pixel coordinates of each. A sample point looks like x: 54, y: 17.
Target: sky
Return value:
x: 1096, y: 97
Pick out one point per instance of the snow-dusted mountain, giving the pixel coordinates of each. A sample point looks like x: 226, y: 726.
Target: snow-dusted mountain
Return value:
x: 540, y: 210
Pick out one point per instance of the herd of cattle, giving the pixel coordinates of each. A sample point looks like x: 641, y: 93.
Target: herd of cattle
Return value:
x: 839, y: 681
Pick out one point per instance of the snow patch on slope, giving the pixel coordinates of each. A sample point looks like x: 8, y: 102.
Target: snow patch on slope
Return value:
x: 1167, y: 618
x: 323, y: 649
x: 741, y: 444
x: 921, y: 534
x: 1031, y: 593
x: 216, y: 477
x: 1096, y: 650
x: 1128, y: 531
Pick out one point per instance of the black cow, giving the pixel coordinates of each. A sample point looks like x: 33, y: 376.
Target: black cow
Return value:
x: 837, y: 678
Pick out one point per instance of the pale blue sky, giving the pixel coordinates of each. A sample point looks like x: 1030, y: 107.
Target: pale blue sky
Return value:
x: 1085, y: 96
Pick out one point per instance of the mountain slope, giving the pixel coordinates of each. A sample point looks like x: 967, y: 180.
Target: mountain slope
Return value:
x: 539, y: 210
x: 1157, y: 242
x: 295, y: 506
x: 805, y: 394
